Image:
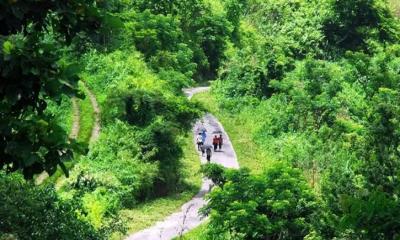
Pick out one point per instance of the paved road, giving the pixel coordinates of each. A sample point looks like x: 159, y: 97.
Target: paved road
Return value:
x: 188, y: 217
x: 189, y: 92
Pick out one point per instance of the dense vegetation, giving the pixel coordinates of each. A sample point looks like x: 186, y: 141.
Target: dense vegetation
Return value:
x: 318, y: 83
x: 315, y: 82
x: 135, y: 57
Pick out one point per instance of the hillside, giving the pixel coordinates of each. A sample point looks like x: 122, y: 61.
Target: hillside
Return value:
x: 98, y: 139
x: 310, y: 87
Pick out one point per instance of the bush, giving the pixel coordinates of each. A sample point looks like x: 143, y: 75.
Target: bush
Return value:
x: 35, y: 212
x: 215, y: 172
x: 275, y: 205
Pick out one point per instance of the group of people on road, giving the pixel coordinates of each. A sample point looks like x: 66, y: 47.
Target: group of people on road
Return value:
x: 217, y: 143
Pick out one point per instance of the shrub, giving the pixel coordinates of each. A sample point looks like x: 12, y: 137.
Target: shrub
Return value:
x: 215, y: 172
x: 36, y: 212
x: 277, y: 204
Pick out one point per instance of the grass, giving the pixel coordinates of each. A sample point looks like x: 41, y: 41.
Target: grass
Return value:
x: 85, y: 130
x: 239, y: 130
x: 395, y: 5
x: 147, y: 214
x: 195, y: 234
x: 86, y: 117
x: 63, y: 114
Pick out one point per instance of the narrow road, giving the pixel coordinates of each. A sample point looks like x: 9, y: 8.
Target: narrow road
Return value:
x: 188, y: 217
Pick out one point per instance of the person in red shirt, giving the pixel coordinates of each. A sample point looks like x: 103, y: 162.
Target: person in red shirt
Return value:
x: 215, y: 142
x: 220, y: 141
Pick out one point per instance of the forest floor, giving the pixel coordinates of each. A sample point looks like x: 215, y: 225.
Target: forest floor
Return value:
x: 188, y: 217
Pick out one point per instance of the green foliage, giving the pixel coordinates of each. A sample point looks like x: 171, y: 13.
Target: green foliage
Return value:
x: 329, y: 111
x: 86, y: 117
x: 352, y: 24
x: 275, y: 34
x: 138, y: 98
x: 140, y: 108
x: 62, y: 112
x: 277, y: 204
x: 144, y: 113
x: 303, y: 97
x: 146, y: 214
x: 36, y: 70
x: 234, y: 11
x: 137, y: 156
x: 377, y: 201
x: 73, y: 16
x: 31, y: 212
x: 109, y: 178
x: 214, y: 172
x: 160, y: 27
x: 35, y: 146
x: 160, y: 39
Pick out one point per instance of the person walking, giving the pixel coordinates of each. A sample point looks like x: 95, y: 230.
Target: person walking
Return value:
x: 204, y: 135
x: 199, y: 141
x: 215, y: 142
x: 220, y: 141
x: 208, y: 154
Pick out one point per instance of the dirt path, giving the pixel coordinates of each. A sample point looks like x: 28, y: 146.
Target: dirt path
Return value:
x: 96, y: 110
x: 188, y: 217
x: 76, y: 125
x: 75, y: 119
x: 73, y: 135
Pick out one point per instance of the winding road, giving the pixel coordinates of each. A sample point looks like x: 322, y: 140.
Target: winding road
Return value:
x: 188, y: 217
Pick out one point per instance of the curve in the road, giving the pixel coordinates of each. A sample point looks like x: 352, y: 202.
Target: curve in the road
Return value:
x: 188, y: 217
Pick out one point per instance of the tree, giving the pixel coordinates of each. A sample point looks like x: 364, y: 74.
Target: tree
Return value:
x: 36, y: 212
x: 377, y: 202
x: 277, y: 204
x: 35, y: 69
x: 235, y: 10
x: 353, y: 23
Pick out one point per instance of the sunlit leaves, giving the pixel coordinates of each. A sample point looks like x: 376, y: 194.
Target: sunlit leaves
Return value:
x: 277, y: 204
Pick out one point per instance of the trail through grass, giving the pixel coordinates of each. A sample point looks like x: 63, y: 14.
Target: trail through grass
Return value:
x: 87, y: 117
x: 85, y: 125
